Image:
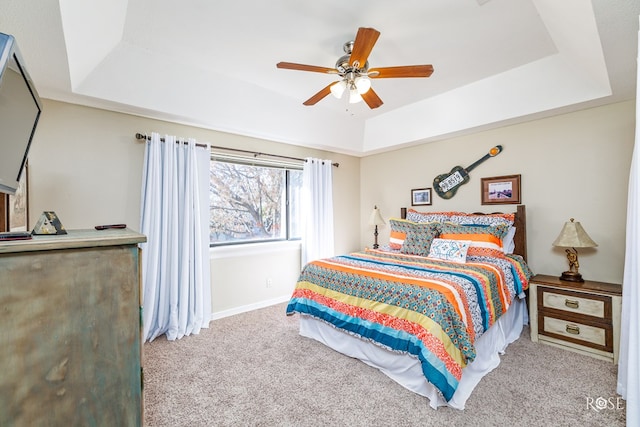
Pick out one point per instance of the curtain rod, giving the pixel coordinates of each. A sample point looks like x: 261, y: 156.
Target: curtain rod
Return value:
x: 255, y: 153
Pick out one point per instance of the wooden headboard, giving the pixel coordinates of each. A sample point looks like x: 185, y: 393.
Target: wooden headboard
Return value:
x: 520, y: 223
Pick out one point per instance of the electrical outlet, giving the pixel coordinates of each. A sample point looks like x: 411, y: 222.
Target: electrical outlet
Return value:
x: 269, y: 282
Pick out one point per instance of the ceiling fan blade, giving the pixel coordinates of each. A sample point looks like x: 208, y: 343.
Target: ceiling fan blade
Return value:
x: 320, y: 95
x: 362, y: 46
x: 372, y: 99
x: 303, y: 67
x: 402, y: 71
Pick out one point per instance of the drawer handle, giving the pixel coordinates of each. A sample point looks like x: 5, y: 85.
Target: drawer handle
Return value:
x: 571, y: 303
x: 573, y: 329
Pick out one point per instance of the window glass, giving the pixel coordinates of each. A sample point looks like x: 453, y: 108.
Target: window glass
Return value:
x: 251, y: 203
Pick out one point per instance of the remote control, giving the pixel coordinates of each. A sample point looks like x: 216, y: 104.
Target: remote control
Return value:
x: 104, y: 227
x: 15, y: 235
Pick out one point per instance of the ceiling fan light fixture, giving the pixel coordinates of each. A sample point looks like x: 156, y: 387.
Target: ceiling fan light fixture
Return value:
x: 338, y: 88
x: 363, y: 84
x: 354, y: 96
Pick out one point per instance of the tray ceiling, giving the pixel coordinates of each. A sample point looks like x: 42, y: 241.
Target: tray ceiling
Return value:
x: 212, y: 64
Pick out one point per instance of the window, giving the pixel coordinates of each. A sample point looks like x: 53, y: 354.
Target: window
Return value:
x: 253, y: 203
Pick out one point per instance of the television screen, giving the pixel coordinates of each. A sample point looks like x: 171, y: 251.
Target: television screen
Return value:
x: 20, y: 110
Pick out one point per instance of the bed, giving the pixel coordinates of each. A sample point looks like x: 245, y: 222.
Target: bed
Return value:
x: 433, y: 309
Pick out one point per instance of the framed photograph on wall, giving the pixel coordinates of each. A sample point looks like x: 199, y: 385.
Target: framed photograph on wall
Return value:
x: 420, y: 196
x: 500, y: 190
x: 18, y: 205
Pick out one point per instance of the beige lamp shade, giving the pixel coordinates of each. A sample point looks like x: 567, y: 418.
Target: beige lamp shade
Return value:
x: 574, y: 236
x: 376, y: 217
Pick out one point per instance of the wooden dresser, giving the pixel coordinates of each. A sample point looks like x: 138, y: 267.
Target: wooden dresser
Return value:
x: 579, y: 316
x: 70, y: 346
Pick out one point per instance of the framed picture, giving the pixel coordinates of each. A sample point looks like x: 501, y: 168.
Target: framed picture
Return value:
x: 18, y: 205
x: 420, y: 196
x: 500, y: 190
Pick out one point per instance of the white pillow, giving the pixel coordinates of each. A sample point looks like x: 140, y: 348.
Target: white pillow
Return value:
x: 508, y: 245
x: 450, y: 250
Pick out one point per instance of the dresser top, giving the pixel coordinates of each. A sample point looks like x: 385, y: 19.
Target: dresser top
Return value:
x: 74, y: 239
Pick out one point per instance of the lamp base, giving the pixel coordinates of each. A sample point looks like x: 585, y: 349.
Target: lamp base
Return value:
x: 571, y: 276
x: 375, y: 235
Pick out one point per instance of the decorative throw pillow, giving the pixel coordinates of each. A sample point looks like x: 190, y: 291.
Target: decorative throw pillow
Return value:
x: 508, y: 244
x: 479, y: 235
x: 450, y: 250
x: 399, y: 230
x: 419, y: 238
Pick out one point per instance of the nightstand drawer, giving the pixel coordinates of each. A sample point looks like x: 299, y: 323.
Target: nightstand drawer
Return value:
x: 593, y: 336
x: 573, y: 302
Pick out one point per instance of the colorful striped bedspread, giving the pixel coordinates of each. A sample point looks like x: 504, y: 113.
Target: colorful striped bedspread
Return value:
x: 432, y: 309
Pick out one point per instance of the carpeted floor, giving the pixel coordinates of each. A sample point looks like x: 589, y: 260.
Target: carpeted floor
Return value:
x: 254, y: 369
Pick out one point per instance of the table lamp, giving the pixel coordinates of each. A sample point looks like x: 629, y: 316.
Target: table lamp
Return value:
x: 376, y: 219
x: 571, y: 237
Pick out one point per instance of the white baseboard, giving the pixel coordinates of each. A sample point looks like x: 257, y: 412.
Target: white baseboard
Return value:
x: 250, y: 307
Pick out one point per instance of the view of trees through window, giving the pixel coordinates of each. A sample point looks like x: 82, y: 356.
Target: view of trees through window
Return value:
x: 253, y: 203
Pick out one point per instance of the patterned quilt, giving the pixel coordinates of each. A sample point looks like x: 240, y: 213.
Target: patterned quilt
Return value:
x: 432, y: 309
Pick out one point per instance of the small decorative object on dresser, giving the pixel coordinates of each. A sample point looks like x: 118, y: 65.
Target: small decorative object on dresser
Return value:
x: 579, y: 316
x: 376, y: 219
x: 48, y: 223
x: 573, y: 236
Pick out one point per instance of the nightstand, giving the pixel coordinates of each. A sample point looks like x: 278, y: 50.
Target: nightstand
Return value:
x: 579, y: 316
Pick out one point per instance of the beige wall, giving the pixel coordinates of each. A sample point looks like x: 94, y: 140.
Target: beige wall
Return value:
x: 573, y: 165
x: 86, y: 165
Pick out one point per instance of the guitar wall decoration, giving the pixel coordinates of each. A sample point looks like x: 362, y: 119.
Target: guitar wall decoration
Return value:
x: 447, y: 184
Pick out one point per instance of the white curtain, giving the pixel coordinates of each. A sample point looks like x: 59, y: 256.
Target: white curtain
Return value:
x: 629, y: 360
x: 175, y: 258
x: 317, y: 210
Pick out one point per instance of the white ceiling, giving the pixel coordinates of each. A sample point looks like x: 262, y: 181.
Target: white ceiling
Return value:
x: 212, y: 63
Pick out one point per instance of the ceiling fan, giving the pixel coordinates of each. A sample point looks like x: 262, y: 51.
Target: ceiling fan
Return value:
x: 355, y: 74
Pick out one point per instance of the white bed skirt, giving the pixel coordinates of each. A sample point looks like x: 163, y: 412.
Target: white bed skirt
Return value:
x: 406, y: 369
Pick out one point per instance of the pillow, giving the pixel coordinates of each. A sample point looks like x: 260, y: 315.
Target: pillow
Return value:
x: 479, y: 235
x: 399, y: 230
x: 508, y: 243
x: 415, y: 216
x: 492, y: 219
x: 461, y: 217
x: 485, y: 252
x: 419, y: 238
x: 450, y: 250
x: 486, y: 219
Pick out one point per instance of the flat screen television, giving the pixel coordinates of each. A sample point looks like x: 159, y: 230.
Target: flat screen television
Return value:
x: 20, y: 109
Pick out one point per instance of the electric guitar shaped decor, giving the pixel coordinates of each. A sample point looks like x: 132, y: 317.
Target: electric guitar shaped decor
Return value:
x: 447, y: 184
